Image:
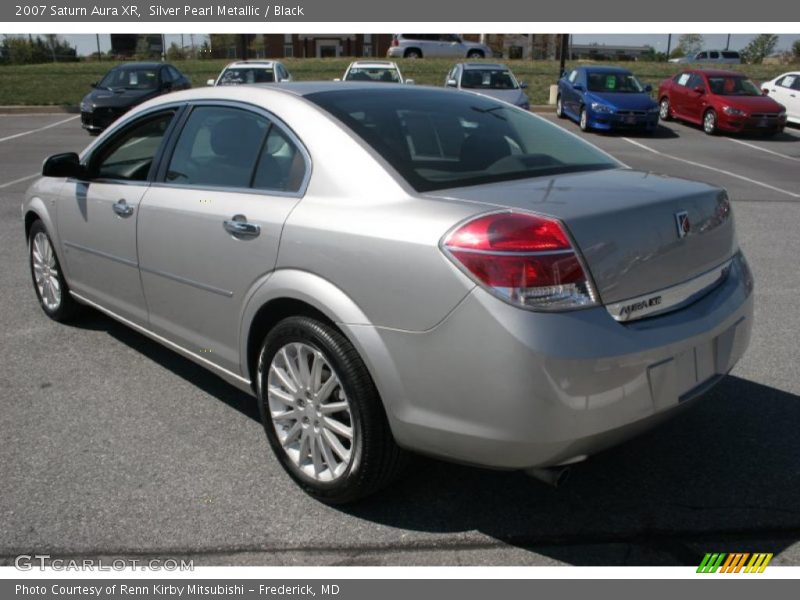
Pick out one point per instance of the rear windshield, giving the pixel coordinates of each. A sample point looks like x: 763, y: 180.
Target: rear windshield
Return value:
x: 387, y: 74
x: 240, y: 75
x: 488, y: 79
x: 438, y: 139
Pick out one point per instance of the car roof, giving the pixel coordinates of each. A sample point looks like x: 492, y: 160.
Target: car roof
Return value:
x: 266, y: 64
x: 142, y: 65
x: 468, y: 66
x: 601, y: 69
x: 374, y: 63
x: 717, y: 72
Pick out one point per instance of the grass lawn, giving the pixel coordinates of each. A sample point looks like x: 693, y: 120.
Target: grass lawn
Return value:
x: 66, y: 83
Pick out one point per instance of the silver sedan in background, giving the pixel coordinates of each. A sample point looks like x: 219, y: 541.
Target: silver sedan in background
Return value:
x: 392, y: 268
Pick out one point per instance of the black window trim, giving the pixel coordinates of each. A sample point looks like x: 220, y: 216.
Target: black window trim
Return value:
x: 123, y: 126
x: 166, y: 157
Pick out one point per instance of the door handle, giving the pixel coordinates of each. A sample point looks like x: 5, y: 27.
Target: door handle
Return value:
x: 239, y: 227
x: 122, y: 208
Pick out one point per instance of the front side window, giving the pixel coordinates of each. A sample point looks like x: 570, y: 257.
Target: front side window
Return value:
x: 438, y: 140
x: 488, y: 79
x: 130, y: 79
x: 733, y: 86
x: 129, y: 154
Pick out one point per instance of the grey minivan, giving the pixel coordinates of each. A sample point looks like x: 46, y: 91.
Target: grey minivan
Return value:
x: 436, y: 45
x: 391, y: 269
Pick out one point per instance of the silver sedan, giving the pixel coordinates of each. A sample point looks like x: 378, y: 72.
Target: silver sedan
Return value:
x: 391, y: 269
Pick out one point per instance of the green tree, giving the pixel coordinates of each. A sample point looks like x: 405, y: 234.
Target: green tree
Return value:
x: 690, y: 43
x: 796, y: 51
x: 677, y: 53
x: 760, y: 47
x: 175, y: 52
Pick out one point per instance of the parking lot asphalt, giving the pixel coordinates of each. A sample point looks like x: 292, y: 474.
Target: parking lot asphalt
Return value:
x: 115, y: 446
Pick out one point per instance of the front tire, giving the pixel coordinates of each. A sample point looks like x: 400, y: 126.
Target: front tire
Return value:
x: 475, y: 54
x: 584, y: 120
x: 322, y: 413
x: 559, y: 107
x: 49, y: 284
x: 710, y: 122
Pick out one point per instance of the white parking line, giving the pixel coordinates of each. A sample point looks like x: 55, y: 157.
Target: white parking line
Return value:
x: 56, y: 124
x: 20, y: 180
x: 710, y: 168
x: 767, y: 150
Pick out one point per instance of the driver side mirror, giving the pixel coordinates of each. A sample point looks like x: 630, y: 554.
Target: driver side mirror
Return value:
x: 409, y: 81
x: 648, y: 88
x: 523, y: 85
x: 699, y: 89
x: 452, y: 83
x: 210, y: 82
x: 93, y: 84
x: 66, y: 164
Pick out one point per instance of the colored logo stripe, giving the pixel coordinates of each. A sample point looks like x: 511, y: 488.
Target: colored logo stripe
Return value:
x: 734, y: 562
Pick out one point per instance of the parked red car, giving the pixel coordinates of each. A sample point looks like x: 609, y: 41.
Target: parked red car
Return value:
x: 720, y: 101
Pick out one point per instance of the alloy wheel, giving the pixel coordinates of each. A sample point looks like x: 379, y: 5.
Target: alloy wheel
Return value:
x: 710, y: 122
x: 45, y: 271
x: 663, y: 110
x: 310, y: 412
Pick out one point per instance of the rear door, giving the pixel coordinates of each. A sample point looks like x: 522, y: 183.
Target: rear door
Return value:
x: 679, y: 94
x: 210, y: 225
x: 97, y: 217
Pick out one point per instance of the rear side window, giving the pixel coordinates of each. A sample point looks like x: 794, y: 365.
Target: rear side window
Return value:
x: 729, y: 54
x: 218, y: 146
x: 281, y: 166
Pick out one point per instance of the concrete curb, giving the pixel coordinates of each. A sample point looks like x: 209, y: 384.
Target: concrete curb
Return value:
x: 49, y: 109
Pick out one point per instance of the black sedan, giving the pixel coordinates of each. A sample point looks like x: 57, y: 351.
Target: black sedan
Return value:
x: 125, y: 86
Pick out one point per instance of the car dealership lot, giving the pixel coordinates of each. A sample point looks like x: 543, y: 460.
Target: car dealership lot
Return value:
x: 114, y: 445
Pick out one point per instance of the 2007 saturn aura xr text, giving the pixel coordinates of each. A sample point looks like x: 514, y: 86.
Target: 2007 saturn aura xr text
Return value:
x: 394, y: 268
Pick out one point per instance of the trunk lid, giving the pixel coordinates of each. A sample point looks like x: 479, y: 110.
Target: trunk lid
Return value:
x: 625, y: 224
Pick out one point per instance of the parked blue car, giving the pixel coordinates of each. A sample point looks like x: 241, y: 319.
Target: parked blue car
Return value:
x: 606, y: 98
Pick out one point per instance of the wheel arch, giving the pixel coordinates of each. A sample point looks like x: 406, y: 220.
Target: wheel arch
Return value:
x: 288, y: 292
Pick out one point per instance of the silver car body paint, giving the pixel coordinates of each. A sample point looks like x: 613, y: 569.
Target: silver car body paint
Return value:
x: 462, y: 374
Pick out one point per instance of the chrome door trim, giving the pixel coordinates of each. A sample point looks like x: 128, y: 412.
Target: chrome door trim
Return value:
x: 100, y: 253
x: 178, y: 348
x: 668, y: 299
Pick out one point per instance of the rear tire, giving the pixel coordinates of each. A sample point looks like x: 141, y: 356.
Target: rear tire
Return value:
x: 49, y: 284
x: 412, y: 53
x: 664, y: 109
x: 475, y: 54
x: 322, y: 413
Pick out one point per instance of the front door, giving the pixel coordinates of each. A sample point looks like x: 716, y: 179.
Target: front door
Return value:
x: 209, y: 228
x: 97, y: 217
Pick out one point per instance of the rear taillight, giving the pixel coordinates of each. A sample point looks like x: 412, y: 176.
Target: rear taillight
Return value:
x: 395, y: 42
x: 526, y: 259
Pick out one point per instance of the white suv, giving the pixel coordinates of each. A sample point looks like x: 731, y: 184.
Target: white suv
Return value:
x: 436, y: 45
x: 252, y: 71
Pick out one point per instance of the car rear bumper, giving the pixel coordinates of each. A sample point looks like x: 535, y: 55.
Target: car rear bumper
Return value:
x: 395, y: 52
x: 501, y: 387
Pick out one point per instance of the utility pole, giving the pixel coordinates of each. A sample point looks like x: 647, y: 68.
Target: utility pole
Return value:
x: 97, y: 38
x: 564, y: 46
x: 669, y: 44
x: 728, y: 43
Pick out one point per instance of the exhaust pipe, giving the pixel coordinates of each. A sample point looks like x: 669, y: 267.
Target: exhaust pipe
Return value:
x: 553, y: 476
